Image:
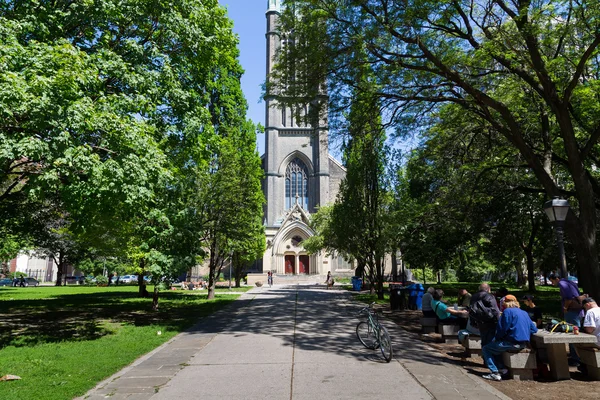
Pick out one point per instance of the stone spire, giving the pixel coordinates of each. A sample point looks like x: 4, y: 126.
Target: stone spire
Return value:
x: 274, y: 5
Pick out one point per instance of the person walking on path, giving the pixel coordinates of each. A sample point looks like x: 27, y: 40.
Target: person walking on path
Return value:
x: 270, y: 278
x: 329, y: 281
x: 513, y: 333
x: 571, y: 308
x: 486, y: 328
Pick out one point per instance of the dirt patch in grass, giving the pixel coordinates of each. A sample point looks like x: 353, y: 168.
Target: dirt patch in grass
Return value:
x: 579, y: 387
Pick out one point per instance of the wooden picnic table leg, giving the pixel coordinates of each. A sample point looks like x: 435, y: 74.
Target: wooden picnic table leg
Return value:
x: 557, y: 358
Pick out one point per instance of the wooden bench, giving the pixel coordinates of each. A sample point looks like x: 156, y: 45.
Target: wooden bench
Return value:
x: 449, y: 332
x: 590, y: 356
x: 520, y: 364
x: 472, y: 344
x: 428, y: 325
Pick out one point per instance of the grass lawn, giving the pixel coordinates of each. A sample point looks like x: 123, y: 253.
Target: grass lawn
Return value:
x: 63, y: 340
x: 545, y: 297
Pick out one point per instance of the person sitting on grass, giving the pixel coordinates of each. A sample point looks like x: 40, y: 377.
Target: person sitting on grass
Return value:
x: 534, y: 312
x: 513, y: 332
x: 445, y: 314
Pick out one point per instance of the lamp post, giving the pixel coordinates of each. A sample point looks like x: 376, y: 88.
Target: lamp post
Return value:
x: 557, y: 210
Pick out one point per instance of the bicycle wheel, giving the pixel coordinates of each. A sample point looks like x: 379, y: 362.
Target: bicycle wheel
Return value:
x: 385, y: 344
x: 365, y: 334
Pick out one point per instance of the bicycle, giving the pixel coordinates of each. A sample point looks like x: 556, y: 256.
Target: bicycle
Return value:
x: 373, y: 335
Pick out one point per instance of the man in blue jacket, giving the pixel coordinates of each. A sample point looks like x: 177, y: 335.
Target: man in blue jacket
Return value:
x: 513, y: 332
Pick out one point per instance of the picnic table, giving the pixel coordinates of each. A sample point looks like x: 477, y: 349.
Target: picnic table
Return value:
x: 557, y: 353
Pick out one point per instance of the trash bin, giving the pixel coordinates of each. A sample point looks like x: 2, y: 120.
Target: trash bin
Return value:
x: 412, y: 296
x: 395, y: 296
x: 420, y: 293
x: 356, y: 283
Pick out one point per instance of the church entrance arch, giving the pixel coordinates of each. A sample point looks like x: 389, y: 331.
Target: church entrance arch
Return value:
x: 304, y: 264
x: 290, y: 263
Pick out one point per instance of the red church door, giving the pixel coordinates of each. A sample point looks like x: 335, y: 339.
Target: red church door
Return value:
x: 290, y: 263
x: 304, y: 264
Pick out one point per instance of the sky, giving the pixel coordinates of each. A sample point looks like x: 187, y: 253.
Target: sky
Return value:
x: 249, y: 23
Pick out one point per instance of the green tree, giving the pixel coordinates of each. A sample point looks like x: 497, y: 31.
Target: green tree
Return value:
x: 427, y: 53
x: 360, y: 213
x: 116, y: 108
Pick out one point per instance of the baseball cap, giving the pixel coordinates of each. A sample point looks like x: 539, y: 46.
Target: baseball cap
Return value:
x: 552, y: 276
x: 588, y: 300
x: 510, y: 297
x: 527, y: 297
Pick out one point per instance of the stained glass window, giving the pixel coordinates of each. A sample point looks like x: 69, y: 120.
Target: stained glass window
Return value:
x: 296, y: 184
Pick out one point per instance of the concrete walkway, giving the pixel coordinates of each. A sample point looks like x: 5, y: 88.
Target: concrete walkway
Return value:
x: 289, y: 342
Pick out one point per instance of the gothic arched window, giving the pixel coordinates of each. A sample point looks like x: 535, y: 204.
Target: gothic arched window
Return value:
x: 296, y: 183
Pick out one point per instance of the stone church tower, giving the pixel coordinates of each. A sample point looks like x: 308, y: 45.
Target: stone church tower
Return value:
x: 300, y: 175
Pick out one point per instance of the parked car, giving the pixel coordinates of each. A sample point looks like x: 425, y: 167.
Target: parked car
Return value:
x: 31, y: 282
x: 6, y: 282
x: 128, y: 279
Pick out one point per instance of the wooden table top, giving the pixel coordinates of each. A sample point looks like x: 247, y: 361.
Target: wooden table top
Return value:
x: 545, y: 337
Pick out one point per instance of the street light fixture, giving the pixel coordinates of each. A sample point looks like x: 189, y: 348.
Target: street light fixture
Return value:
x: 557, y: 210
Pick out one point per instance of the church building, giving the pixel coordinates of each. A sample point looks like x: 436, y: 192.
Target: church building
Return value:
x: 300, y: 176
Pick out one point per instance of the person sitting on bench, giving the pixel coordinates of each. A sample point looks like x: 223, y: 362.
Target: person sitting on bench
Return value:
x: 426, y: 307
x: 513, y: 332
x: 447, y: 315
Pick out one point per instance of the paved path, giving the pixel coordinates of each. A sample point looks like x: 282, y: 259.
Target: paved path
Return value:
x: 294, y: 342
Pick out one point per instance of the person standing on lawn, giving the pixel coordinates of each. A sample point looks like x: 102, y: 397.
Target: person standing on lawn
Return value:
x: 571, y: 308
x: 513, y: 333
x: 487, y: 328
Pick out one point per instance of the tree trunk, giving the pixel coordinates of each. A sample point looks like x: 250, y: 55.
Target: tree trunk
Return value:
x: 212, y: 266
x: 59, y: 270
x: 520, y: 274
x: 379, y: 262
x: 587, y: 258
x: 155, y: 298
x: 530, y: 269
x: 142, y: 291
x: 394, y: 266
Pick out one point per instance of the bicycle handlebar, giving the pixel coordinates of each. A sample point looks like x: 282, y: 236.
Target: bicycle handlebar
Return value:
x: 368, y: 309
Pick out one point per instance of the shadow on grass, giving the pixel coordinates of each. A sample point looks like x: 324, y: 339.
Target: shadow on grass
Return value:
x: 89, y: 316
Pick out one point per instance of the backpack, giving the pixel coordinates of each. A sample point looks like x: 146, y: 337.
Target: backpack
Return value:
x: 480, y: 313
x: 561, y: 326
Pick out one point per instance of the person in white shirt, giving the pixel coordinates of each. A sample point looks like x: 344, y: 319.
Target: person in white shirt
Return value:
x: 591, y: 323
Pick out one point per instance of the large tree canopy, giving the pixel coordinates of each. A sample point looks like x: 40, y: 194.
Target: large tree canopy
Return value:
x: 528, y: 70
x: 120, y: 113
x: 97, y: 97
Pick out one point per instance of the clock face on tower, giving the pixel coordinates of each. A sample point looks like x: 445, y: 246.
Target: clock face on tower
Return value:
x: 296, y: 240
